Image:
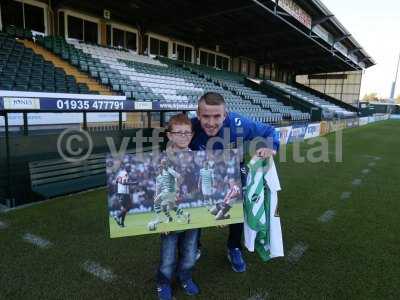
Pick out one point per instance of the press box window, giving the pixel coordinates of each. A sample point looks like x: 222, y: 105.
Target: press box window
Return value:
x: 158, y: 47
x: 181, y: 52
x: 34, y: 18
x: 12, y: 14
x: 90, y: 32
x: 203, y: 58
x: 188, y: 54
x: 219, y: 62
x: 163, y: 48
x: 118, y: 38
x: 211, y: 60
x: 154, y: 46
x: 130, y: 40
x: 75, y: 28
x: 225, y: 63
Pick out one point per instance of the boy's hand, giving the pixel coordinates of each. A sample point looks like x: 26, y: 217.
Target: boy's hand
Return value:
x: 165, y: 232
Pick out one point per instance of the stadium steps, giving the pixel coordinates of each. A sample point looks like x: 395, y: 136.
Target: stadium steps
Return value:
x: 244, y: 103
x: 331, y: 99
x: 80, y: 77
x: 329, y: 109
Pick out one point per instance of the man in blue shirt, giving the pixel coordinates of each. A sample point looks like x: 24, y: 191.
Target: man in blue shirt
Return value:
x: 216, y: 128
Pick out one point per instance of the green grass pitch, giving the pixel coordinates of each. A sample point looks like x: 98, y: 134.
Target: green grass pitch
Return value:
x: 136, y: 224
x: 354, y: 256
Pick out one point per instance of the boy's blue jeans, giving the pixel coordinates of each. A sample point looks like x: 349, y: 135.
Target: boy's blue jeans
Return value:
x: 178, y: 254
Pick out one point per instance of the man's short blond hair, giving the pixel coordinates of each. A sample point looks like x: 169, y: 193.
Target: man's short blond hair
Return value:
x: 212, y: 98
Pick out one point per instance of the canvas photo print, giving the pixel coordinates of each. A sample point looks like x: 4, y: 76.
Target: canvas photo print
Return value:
x: 163, y: 192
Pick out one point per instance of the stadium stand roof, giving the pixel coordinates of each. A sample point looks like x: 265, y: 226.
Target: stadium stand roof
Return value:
x: 258, y: 29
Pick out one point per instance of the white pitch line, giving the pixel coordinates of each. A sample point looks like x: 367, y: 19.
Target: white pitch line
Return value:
x: 327, y: 216
x: 356, y: 182
x: 373, y: 157
x: 36, y: 240
x: 365, y: 171
x: 259, y: 296
x: 345, y: 195
x: 97, y: 270
x: 3, y: 225
x: 297, y: 252
x: 372, y: 164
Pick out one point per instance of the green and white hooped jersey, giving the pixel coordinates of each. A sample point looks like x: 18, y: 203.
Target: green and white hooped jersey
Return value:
x: 262, y: 227
x: 166, y: 182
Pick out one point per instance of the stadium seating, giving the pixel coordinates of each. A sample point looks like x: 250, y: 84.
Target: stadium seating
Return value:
x: 143, y: 78
x: 329, y: 109
x: 234, y: 101
x: 234, y: 83
x: 23, y: 70
x: 18, y: 32
x: 138, y: 77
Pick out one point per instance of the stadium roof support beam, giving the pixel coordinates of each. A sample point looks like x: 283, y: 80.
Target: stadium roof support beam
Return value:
x: 239, y: 27
x: 355, y: 50
x: 339, y: 26
x: 281, y: 13
x: 321, y: 20
x: 341, y: 38
x: 266, y: 8
x: 365, y: 59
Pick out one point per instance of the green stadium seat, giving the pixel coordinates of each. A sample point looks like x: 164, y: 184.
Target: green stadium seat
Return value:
x: 83, y: 88
x: 94, y: 74
x: 104, y: 80
x: 116, y: 87
x: 8, y: 86
x: 35, y: 88
x: 20, y: 87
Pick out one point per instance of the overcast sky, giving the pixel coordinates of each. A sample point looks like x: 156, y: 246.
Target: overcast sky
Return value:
x: 376, y: 26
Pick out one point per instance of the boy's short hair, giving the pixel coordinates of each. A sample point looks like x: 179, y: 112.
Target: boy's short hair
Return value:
x: 212, y: 98
x: 179, y: 119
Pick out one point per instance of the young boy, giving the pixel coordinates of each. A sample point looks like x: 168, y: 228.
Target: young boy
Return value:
x: 178, y: 249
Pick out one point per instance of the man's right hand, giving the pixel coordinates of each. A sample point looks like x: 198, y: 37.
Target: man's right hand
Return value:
x: 265, y: 152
